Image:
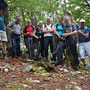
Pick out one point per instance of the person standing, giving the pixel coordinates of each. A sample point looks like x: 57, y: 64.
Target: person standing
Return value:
x: 15, y: 36
x: 58, y: 32
x: 70, y: 40
x: 84, y: 40
x: 29, y: 35
x: 48, y: 31
x: 39, y: 40
x: 3, y: 36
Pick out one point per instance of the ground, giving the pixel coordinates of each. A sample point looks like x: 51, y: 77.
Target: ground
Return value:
x: 14, y: 77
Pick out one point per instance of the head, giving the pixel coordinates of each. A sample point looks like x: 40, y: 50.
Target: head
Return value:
x: 18, y: 19
x: 48, y: 20
x: 40, y: 23
x: 82, y: 23
x: 67, y: 20
x: 28, y: 22
x: 60, y: 19
x: 1, y: 11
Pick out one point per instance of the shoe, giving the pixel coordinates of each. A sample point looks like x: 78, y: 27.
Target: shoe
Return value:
x: 76, y: 67
x: 51, y: 56
x: 85, y: 66
x: 5, y: 58
x: 57, y: 64
x: 36, y: 59
x: 53, y: 62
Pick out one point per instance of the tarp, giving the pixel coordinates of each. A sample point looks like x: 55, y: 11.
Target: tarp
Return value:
x: 3, y: 5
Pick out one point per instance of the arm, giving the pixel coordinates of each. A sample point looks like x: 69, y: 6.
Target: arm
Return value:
x: 34, y: 34
x: 21, y: 31
x: 73, y: 20
x: 47, y: 31
x: 85, y: 35
x: 24, y: 32
x: 9, y: 29
x: 72, y: 33
x: 57, y: 33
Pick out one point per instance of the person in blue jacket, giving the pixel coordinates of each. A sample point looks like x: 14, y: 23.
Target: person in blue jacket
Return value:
x: 3, y: 36
x: 84, y: 40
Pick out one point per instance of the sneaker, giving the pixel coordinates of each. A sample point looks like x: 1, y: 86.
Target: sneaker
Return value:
x: 51, y: 56
x: 85, y: 66
x: 5, y: 58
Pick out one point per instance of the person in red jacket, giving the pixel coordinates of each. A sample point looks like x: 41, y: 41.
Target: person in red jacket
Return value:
x: 28, y: 32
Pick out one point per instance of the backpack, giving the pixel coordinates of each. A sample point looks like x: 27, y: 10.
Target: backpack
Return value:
x: 39, y: 32
x: 46, y: 26
x: 62, y: 26
x: 26, y: 30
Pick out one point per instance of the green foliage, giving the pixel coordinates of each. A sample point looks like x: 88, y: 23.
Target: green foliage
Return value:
x: 39, y: 9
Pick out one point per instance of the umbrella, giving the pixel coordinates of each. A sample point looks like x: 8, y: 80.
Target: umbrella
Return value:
x: 3, y: 5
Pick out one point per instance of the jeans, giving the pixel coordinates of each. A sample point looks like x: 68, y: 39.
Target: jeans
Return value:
x: 48, y: 40
x: 15, y: 40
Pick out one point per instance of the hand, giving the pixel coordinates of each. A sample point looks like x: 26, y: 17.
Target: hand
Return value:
x: 40, y: 37
x: 59, y: 37
x: 27, y: 33
x: 62, y: 38
x: 37, y: 37
x: 69, y: 12
x: 65, y: 34
x: 52, y: 30
x: 21, y: 32
x: 79, y: 31
x: 13, y: 31
x: 75, y: 31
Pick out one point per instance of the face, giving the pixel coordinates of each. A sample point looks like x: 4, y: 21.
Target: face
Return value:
x: 48, y: 21
x: 28, y: 23
x: 66, y: 21
x: 1, y: 11
x: 40, y: 24
x: 18, y: 20
x: 82, y: 24
x: 60, y: 20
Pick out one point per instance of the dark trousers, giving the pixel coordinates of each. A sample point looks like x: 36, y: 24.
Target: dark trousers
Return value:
x: 40, y: 48
x: 48, y: 41
x: 15, y: 40
x: 73, y: 48
x: 30, y: 46
x: 56, y: 44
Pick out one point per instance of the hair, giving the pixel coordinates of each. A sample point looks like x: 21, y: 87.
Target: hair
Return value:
x: 17, y: 17
x: 40, y: 22
x: 60, y: 17
x: 48, y: 18
x: 29, y: 20
x: 66, y: 17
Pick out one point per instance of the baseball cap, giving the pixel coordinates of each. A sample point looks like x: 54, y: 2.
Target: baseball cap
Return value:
x: 82, y: 20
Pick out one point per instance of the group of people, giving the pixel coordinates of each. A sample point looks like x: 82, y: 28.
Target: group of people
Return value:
x: 57, y: 36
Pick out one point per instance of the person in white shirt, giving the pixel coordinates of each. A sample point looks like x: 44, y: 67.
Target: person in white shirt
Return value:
x: 48, y: 31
